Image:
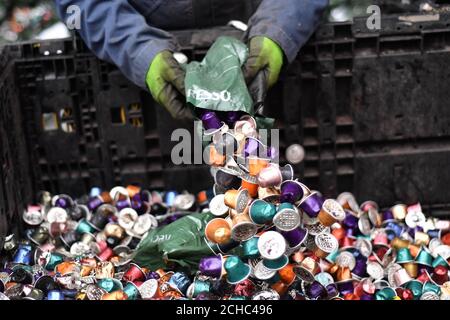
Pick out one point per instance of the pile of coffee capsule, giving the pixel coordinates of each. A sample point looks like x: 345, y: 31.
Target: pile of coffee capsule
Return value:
x: 83, y: 249
x: 293, y: 243
x: 271, y: 238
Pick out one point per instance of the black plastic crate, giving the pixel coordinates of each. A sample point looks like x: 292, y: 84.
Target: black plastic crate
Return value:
x: 86, y: 125
x: 15, y: 184
x: 371, y: 110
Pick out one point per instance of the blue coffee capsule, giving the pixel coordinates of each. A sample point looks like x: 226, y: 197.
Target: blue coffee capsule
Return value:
x: 436, y: 233
x: 55, y: 295
x: 396, y: 228
x: 95, y: 191
x: 71, y: 293
x: 23, y: 255
x: 423, y: 257
x: 416, y: 288
x: 180, y: 281
x: 169, y: 197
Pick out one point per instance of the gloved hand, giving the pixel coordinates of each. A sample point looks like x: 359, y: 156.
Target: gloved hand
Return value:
x: 165, y: 80
x: 263, y: 66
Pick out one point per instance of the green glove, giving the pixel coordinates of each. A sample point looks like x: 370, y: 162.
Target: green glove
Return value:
x: 263, y: 66
x: 165, y: 80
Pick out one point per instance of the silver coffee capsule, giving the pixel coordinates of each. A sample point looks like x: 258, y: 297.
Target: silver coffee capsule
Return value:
x: 148, y: 288
x: 271, y: 245
x: 261, y: 272
x: 94, y: 292
x: 184, y: 201
x: 346, y: 259
x: 33, y: 215
x: 268, y: 294
x: 217, y: 206
x: 375, y: 270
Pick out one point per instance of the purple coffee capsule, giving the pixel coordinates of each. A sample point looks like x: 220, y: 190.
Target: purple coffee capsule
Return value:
x: 332, y: 290
x: 211, y: 266
x: 231, y: 117
x: 388, y: 216
x: 316, y: 290
x: 273, y: 153
x: 312, y: 204
x: 291, y: 191
x: 138, y: 204
x: 350, y: 221
x: 121, y: 204
x: 359, y: 269
x: 295, y: 237
x: 345, y: 286
x: 211, y: 121
x: 227, y: 179
x: 152, y: 275
x: 63, y: 201
x: 412, y: 231
x: 366, y: 297
x: 396, y: 228
x: 94, y: 203
x: 254, y: 147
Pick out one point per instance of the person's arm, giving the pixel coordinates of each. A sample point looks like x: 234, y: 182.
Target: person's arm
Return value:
x: 289, y: 23
x: 276, y: 33
x: 116, y: 32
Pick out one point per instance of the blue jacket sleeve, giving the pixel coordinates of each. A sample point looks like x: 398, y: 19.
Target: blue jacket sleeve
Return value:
x: 289, y: 23
x: 116, y: 32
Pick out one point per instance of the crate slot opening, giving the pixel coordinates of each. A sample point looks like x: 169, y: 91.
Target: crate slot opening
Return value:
x: 118, y: 115
x: 50, y: 121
